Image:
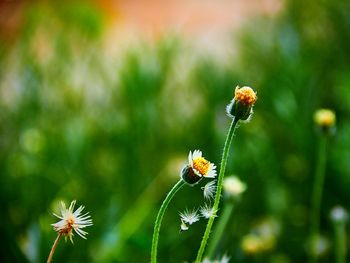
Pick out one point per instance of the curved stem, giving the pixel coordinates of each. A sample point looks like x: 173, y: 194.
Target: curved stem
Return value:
x: 317, y: 193
x: 159, y: 218
x: 49, y: 259
x: 219, y: 229
x: 219, y: 188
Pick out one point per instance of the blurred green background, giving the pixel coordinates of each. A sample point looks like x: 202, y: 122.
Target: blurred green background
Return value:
x: 113, y: 132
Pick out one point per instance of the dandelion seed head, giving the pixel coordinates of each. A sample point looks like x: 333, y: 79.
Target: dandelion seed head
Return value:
x: 189, y: 217
x: 208, y: 211
x: 70, y: 221
x: 209, y: 190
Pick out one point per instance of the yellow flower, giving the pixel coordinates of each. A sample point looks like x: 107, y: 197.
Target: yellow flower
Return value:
x: 197, y: 168
x: 72, y: 220
x: 241, y: 106
x: 324, y: 117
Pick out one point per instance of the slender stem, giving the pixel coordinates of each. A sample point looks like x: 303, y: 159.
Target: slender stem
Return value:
x: 49, y: 259
x: 159, y: 218
x: 219, y: 229
x: 340, y: 242
x: 219, y: 188
x: 317, y: 194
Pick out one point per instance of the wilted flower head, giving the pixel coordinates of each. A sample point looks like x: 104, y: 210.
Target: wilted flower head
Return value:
x: 189, y: 217
x: 72, y: 220
x: 325, y: 119
x: 197, y: 168
x: 339, y: 215
x: 241, y: 106
x: 233, y: 187
x: 209, y: 190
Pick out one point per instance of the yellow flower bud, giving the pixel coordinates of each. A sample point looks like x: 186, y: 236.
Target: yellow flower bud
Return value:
x: 325, y: 119
x: 241, y: 106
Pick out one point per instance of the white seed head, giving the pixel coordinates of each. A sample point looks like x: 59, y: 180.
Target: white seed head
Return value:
x: 209, y: 190
x: 189, y: 217
x: 72, y: 220
x: 208, y: 211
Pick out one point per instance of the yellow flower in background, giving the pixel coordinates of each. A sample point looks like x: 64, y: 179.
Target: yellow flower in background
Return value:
x: 324, y: 117
x: 72, y: 220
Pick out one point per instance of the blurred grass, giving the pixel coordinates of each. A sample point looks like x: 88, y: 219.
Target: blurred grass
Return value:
x: 113, y: 132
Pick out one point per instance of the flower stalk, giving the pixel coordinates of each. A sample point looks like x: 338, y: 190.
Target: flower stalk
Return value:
x: 160, y: 216
x: 219, y: 188
x: 49, y: 259
x: 219, y: 229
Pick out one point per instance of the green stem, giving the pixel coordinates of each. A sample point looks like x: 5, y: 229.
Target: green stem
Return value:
x: 159, y: 218
x: 219, y: 229
x: 317, y: 194
x: 219, y: 188
x: 340, y: 242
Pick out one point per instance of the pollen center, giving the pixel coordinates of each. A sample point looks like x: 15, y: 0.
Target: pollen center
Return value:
x: 245, y: 95
x: 201, y: 165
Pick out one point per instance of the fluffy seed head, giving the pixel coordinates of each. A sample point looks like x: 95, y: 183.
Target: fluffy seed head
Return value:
x: 209, y: 190
x: 189, y: 217
x: 72, y: 220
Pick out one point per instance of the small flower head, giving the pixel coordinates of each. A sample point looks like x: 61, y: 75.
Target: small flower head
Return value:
x: 209, y: 190
x: 233, y: 187
x: 189, y: 217
x: 339, y: 215
x: 325, y: 119
x: 208, y: 211
x: 72, y: 220
x: 241, y: 106
x: 197, y: 168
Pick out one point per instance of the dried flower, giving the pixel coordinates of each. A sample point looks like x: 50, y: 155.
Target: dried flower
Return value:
x: 72, y: 220
x: 197, y: 168
x: 209, y: 190
x: 189, y: 217
x: 241, y: 106
x: 207, y: 211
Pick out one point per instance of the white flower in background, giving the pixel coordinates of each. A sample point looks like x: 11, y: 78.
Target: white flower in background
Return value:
x: 189, y: 217
x: 209, y: 190
x: 207, y: 211
x: 72, y: 220
x: 233, y: 187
